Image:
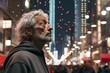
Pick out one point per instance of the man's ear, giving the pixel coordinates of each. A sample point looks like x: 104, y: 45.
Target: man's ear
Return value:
x: 29, y: 31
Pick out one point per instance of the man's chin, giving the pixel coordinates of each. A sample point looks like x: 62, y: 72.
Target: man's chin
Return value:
x: 49, y: 40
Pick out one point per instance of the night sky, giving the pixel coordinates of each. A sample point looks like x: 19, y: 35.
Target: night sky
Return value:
x: 64, y: 21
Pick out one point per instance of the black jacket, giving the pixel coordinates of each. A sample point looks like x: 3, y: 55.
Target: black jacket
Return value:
x: 25, y: 58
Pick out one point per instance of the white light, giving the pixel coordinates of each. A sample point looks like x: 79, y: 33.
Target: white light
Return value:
x: 82, y: 37
x: 7, y: 23
x: 87, y: 16
x: 106, y: 64
x: 79, y: 43
x: 8, y: 42
x: 99, y: 41
x: 108, y: 8
x: 74, y: 45
x: 68, y: 63
x: 72, y: 49
x: 65, y: 50
x: 103, y: 22
x: 77, y: 47
x: 1, y: 46
x: 27, y: 3
x: 68, y: 45
x: 108, y: 41
x: 91, y: 46
x: 97, y: 61
x: 103, y: 12
x: 47, y: 48
x: 89, y: 32
x: 82, y: 62
x: 94, y: 25
x: 46, y: 45
x: 95, y: 52
x: 88, y: 54
x: 74, y: 63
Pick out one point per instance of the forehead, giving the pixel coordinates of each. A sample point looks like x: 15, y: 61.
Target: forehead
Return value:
x: 41, y: 17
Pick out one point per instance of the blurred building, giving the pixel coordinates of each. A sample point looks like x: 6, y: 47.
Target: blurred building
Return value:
x: 79, y: 27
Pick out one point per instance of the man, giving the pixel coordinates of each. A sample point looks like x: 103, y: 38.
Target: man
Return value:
x: 28, y: 57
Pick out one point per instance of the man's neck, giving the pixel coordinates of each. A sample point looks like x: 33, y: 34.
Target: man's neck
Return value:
x: 39, y: 44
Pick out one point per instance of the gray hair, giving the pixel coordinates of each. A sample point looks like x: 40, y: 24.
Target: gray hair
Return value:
x: 27, y: 20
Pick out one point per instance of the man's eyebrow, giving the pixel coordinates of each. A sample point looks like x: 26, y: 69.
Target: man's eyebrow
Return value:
x: 36, y: 15
x: 45, y: 21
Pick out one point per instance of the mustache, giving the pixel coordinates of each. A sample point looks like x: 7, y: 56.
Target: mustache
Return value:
x: 42, y: 29
x: 49, y: 32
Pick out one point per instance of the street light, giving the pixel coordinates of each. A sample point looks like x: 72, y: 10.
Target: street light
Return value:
x: 8, y: 42
x: 27, y: 3
x: 108, y: 8
x: 6, y: 25
x: 89, y: 32
x: 87, y: 16
x: 103, y: 12
x: 108, y: 41
x: 103, y: 17
x: 103, y: 22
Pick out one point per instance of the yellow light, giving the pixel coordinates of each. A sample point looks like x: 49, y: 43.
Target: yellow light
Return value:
x: 108, y: 41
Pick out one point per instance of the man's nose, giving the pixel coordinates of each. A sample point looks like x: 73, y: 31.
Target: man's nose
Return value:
x: 49, y: 27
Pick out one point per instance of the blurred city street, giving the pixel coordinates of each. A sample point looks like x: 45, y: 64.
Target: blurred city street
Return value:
x: 80, y: 36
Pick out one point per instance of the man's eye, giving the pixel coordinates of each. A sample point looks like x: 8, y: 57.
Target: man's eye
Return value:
x: 41, y: 23
x: 44, y: 22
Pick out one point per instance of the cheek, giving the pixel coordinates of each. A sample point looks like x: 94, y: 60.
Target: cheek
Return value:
x: 40, y: 33
x: 41, y: 30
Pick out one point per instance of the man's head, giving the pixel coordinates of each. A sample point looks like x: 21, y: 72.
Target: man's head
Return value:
x: 34, y: 26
